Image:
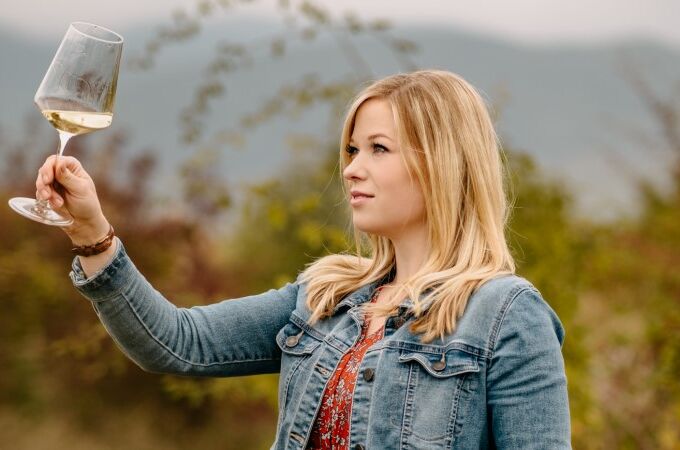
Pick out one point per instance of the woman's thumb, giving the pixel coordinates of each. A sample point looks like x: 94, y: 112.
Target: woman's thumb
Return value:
x: 65, y: 176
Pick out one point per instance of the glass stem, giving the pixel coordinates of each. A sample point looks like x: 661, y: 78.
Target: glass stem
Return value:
x: 42, y: 205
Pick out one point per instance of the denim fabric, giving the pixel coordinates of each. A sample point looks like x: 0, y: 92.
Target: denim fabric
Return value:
x: 498, y: 381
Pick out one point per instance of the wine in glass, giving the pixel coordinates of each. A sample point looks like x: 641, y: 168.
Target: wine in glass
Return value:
x: 76, y: 96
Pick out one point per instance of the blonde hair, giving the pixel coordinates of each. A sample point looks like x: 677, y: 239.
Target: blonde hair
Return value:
x: 449, y: 144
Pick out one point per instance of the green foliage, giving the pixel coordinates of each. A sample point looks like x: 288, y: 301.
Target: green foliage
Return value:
x: 634, y: 295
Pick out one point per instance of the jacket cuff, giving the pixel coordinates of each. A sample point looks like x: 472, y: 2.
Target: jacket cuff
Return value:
x: 108, y: 281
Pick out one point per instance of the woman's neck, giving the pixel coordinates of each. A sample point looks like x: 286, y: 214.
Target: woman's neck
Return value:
x: 410, y: 251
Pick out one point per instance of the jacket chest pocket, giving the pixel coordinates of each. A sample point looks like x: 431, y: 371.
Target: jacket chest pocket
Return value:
x: 438, y: 390
x: 297, y: 347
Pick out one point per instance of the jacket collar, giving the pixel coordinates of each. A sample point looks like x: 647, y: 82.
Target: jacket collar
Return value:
x: 365, y: 293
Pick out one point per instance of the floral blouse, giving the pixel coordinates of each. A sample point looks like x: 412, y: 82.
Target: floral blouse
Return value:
x: 331, y: 427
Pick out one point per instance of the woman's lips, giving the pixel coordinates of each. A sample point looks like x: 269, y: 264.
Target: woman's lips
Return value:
x: 359, y: 199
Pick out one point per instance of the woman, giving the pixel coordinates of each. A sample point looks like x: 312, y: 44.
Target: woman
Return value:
x: 432, y: 342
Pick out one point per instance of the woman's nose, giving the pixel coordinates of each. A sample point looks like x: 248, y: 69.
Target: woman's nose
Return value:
x: 354, y: 169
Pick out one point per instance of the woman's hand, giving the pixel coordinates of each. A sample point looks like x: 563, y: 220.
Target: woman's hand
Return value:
x: 74, y: 196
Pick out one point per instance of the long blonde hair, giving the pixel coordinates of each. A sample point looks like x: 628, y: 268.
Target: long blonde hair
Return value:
x: 449, y: 144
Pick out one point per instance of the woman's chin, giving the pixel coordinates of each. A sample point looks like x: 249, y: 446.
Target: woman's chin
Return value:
x: 361, y: 227
x: 368, y: 228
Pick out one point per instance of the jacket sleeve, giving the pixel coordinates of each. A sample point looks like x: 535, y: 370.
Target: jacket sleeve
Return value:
x: 230, y: 338
x: 526, y: 380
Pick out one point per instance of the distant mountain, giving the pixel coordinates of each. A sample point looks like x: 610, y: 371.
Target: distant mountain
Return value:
x: 557, y: 103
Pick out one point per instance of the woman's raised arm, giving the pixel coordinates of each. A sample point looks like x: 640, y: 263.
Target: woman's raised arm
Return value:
x: 229, y: 338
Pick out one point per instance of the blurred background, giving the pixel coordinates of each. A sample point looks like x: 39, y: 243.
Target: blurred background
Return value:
x: 220, y: 175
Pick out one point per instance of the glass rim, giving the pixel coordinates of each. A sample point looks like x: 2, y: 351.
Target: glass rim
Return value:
x: 74, y: 25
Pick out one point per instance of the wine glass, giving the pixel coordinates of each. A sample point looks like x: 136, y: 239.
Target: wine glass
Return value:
x: 76, y: 96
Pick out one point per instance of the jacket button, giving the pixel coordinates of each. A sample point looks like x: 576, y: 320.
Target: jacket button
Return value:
x: 359, y: 447
x: 439, y: 365
x: 292, y: 341
x: 368, y: 376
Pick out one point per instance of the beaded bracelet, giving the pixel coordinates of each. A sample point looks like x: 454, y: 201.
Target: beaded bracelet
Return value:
x: 95, y: 249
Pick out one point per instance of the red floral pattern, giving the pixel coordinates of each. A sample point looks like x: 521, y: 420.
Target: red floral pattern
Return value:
x: 332, y: 425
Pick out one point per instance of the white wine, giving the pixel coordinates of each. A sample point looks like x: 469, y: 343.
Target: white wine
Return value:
x: 77, y: 122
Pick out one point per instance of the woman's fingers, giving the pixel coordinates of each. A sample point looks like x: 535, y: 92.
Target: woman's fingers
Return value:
x: 56, y: 199
x: 69, y: 188
x: 67, y: 170
x: 46, y: 174
x: 56, y: 202
x: 67, y: 176
x: 71, y: 163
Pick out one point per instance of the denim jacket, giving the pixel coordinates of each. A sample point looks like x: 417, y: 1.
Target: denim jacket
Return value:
x: 498, y: 381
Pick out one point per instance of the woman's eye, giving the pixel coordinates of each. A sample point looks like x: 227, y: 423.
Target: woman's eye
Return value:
x: 382, y: 148
x: 376, y: 148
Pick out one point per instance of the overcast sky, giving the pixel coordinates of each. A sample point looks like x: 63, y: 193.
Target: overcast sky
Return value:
x: 528, y: 21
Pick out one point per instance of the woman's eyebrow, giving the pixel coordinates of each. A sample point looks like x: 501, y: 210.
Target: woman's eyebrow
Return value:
x: 373, y: 136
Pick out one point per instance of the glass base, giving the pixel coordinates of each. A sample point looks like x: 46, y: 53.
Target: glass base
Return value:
x: 29, y: 208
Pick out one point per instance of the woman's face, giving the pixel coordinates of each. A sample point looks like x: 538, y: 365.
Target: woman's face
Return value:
x: 395, y: 205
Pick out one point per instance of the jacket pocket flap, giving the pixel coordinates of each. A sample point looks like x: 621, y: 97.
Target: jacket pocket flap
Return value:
x: 293, y: 340
x: 453, y: 362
